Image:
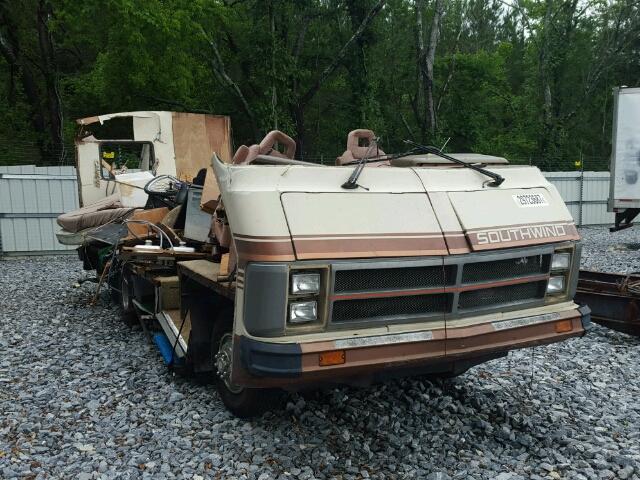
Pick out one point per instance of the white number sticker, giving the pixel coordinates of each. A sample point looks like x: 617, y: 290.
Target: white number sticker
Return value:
x: 530, y: 200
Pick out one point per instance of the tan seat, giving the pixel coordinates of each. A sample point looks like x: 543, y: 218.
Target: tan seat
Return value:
x: 245, y: 155
x: 241, y: 155
x: 355, y: 152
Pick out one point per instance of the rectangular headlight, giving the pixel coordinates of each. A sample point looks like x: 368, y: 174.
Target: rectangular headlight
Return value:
x: 303, y: 312
x: 555, y: 285
x: 560, y: 261
x: 305, y: 283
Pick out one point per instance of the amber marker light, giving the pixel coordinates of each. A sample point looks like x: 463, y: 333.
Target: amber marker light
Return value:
x: 564, y: 326
x: 335, y: 357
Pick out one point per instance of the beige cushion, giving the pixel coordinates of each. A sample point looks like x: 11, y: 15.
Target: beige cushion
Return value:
x: 94, y: 215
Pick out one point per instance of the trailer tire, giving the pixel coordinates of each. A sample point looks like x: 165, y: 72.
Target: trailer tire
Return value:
x: 127, y: 309
x: 241, y: 401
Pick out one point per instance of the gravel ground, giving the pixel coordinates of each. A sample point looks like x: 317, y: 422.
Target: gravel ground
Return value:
x: 83, y: 397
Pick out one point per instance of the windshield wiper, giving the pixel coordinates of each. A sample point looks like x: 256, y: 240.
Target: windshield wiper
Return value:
x: 352, y: 182
x: 497, y: 179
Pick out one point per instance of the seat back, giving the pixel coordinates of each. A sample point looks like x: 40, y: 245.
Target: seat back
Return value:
x: 245, y: 155
x: 355, y: 151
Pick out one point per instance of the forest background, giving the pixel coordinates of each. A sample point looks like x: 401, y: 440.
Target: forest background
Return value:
x: 527, y: 79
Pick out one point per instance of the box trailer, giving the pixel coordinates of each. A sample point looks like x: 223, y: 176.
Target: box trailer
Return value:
x: 624, y: 196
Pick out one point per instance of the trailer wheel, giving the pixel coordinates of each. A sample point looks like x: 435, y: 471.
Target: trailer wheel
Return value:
x: 242, y: 402
x: 127, y: 310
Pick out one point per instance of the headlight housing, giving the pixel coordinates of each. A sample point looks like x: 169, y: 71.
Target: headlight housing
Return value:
x: 305, y: 283
x: 560, y: 261
x: 556, y: 285
x: 563, y: 273
x: 303, y: 312
x: 307, y: 302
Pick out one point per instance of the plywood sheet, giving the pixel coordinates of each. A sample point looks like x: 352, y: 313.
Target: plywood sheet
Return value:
x: 154, y: 215
x: 196, y: 137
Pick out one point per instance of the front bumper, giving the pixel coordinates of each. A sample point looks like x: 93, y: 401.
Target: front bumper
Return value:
x: 266, y: 364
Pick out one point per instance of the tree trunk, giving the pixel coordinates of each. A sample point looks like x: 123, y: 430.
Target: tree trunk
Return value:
x: 10, y: 50
x: 50, y: 74
x: 356, y: 65
x: 328, y: 71
x: 426, y: 60
x: 430, y: 113
x: 420, y: 119
x: 298, y: 117
x: 219, y: 70
x: 303, y: 100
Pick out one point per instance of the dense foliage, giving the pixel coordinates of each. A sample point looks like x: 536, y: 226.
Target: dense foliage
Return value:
x: 527, y: 79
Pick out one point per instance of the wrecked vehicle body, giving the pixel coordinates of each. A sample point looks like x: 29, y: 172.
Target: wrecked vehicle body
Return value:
x: 348, y: 274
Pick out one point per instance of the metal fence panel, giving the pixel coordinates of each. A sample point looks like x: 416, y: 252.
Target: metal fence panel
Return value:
x: 585, y: 194
x: 31, y: 198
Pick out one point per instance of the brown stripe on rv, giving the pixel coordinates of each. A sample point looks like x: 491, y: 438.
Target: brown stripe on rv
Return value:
x: 261, y: 237
x: 456, y: 242
x: 269, y: 250
x: 353, y: 235
x: 368, y: 247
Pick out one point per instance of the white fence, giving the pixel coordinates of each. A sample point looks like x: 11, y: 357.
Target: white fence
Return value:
x: 30, y: 200
x: 32, y: 197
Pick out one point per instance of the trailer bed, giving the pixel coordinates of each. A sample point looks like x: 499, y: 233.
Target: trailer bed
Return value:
x: 614, y: 299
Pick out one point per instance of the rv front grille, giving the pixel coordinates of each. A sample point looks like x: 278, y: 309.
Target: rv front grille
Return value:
x: 505, y: 268
x: 498, y: 296
x: 406, y: 278
x: 387, y: 308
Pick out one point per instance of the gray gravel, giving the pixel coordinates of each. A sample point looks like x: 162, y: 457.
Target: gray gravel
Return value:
x: 82, y: 396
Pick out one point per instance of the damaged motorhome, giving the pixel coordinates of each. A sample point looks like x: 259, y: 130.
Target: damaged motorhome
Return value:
x: 299, y: 275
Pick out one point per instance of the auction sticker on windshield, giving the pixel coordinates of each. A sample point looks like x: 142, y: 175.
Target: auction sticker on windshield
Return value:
x: 530, y: 200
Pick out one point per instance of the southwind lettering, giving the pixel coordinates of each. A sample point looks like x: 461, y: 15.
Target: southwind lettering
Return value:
x: 505, y: 235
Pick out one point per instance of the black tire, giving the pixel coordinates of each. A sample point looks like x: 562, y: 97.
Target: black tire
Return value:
x: 127, y: 309
x: 242, y: 402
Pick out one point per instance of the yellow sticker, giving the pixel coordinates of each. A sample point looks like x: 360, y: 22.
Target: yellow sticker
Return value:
x: 577, y: 163
x: 108, y: 154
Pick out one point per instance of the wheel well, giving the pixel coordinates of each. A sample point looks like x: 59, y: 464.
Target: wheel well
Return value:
x: 203, y: 306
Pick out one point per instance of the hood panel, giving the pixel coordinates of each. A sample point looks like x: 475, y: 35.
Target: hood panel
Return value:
x: 504, y: 218
x: 350, y: 225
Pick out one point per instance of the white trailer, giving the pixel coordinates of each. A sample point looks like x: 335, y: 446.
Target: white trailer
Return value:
x: 624, y: 196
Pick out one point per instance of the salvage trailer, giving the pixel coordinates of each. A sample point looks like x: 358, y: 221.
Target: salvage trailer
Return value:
x: 615, y: 298
x: 381, y: 266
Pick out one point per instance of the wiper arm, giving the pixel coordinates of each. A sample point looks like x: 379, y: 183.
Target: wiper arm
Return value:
x: 352, y: 182
x: 497, y: 178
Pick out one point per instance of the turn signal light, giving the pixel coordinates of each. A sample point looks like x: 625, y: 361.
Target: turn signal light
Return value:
x: 564, y: 326
x: 335, y: 357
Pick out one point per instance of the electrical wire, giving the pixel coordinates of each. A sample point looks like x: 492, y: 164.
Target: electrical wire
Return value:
x: 161, y: 232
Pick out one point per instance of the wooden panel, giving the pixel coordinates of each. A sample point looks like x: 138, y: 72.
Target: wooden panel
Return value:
x: 195, y: 138
x: 203, y: 269
x: 154, y: 215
